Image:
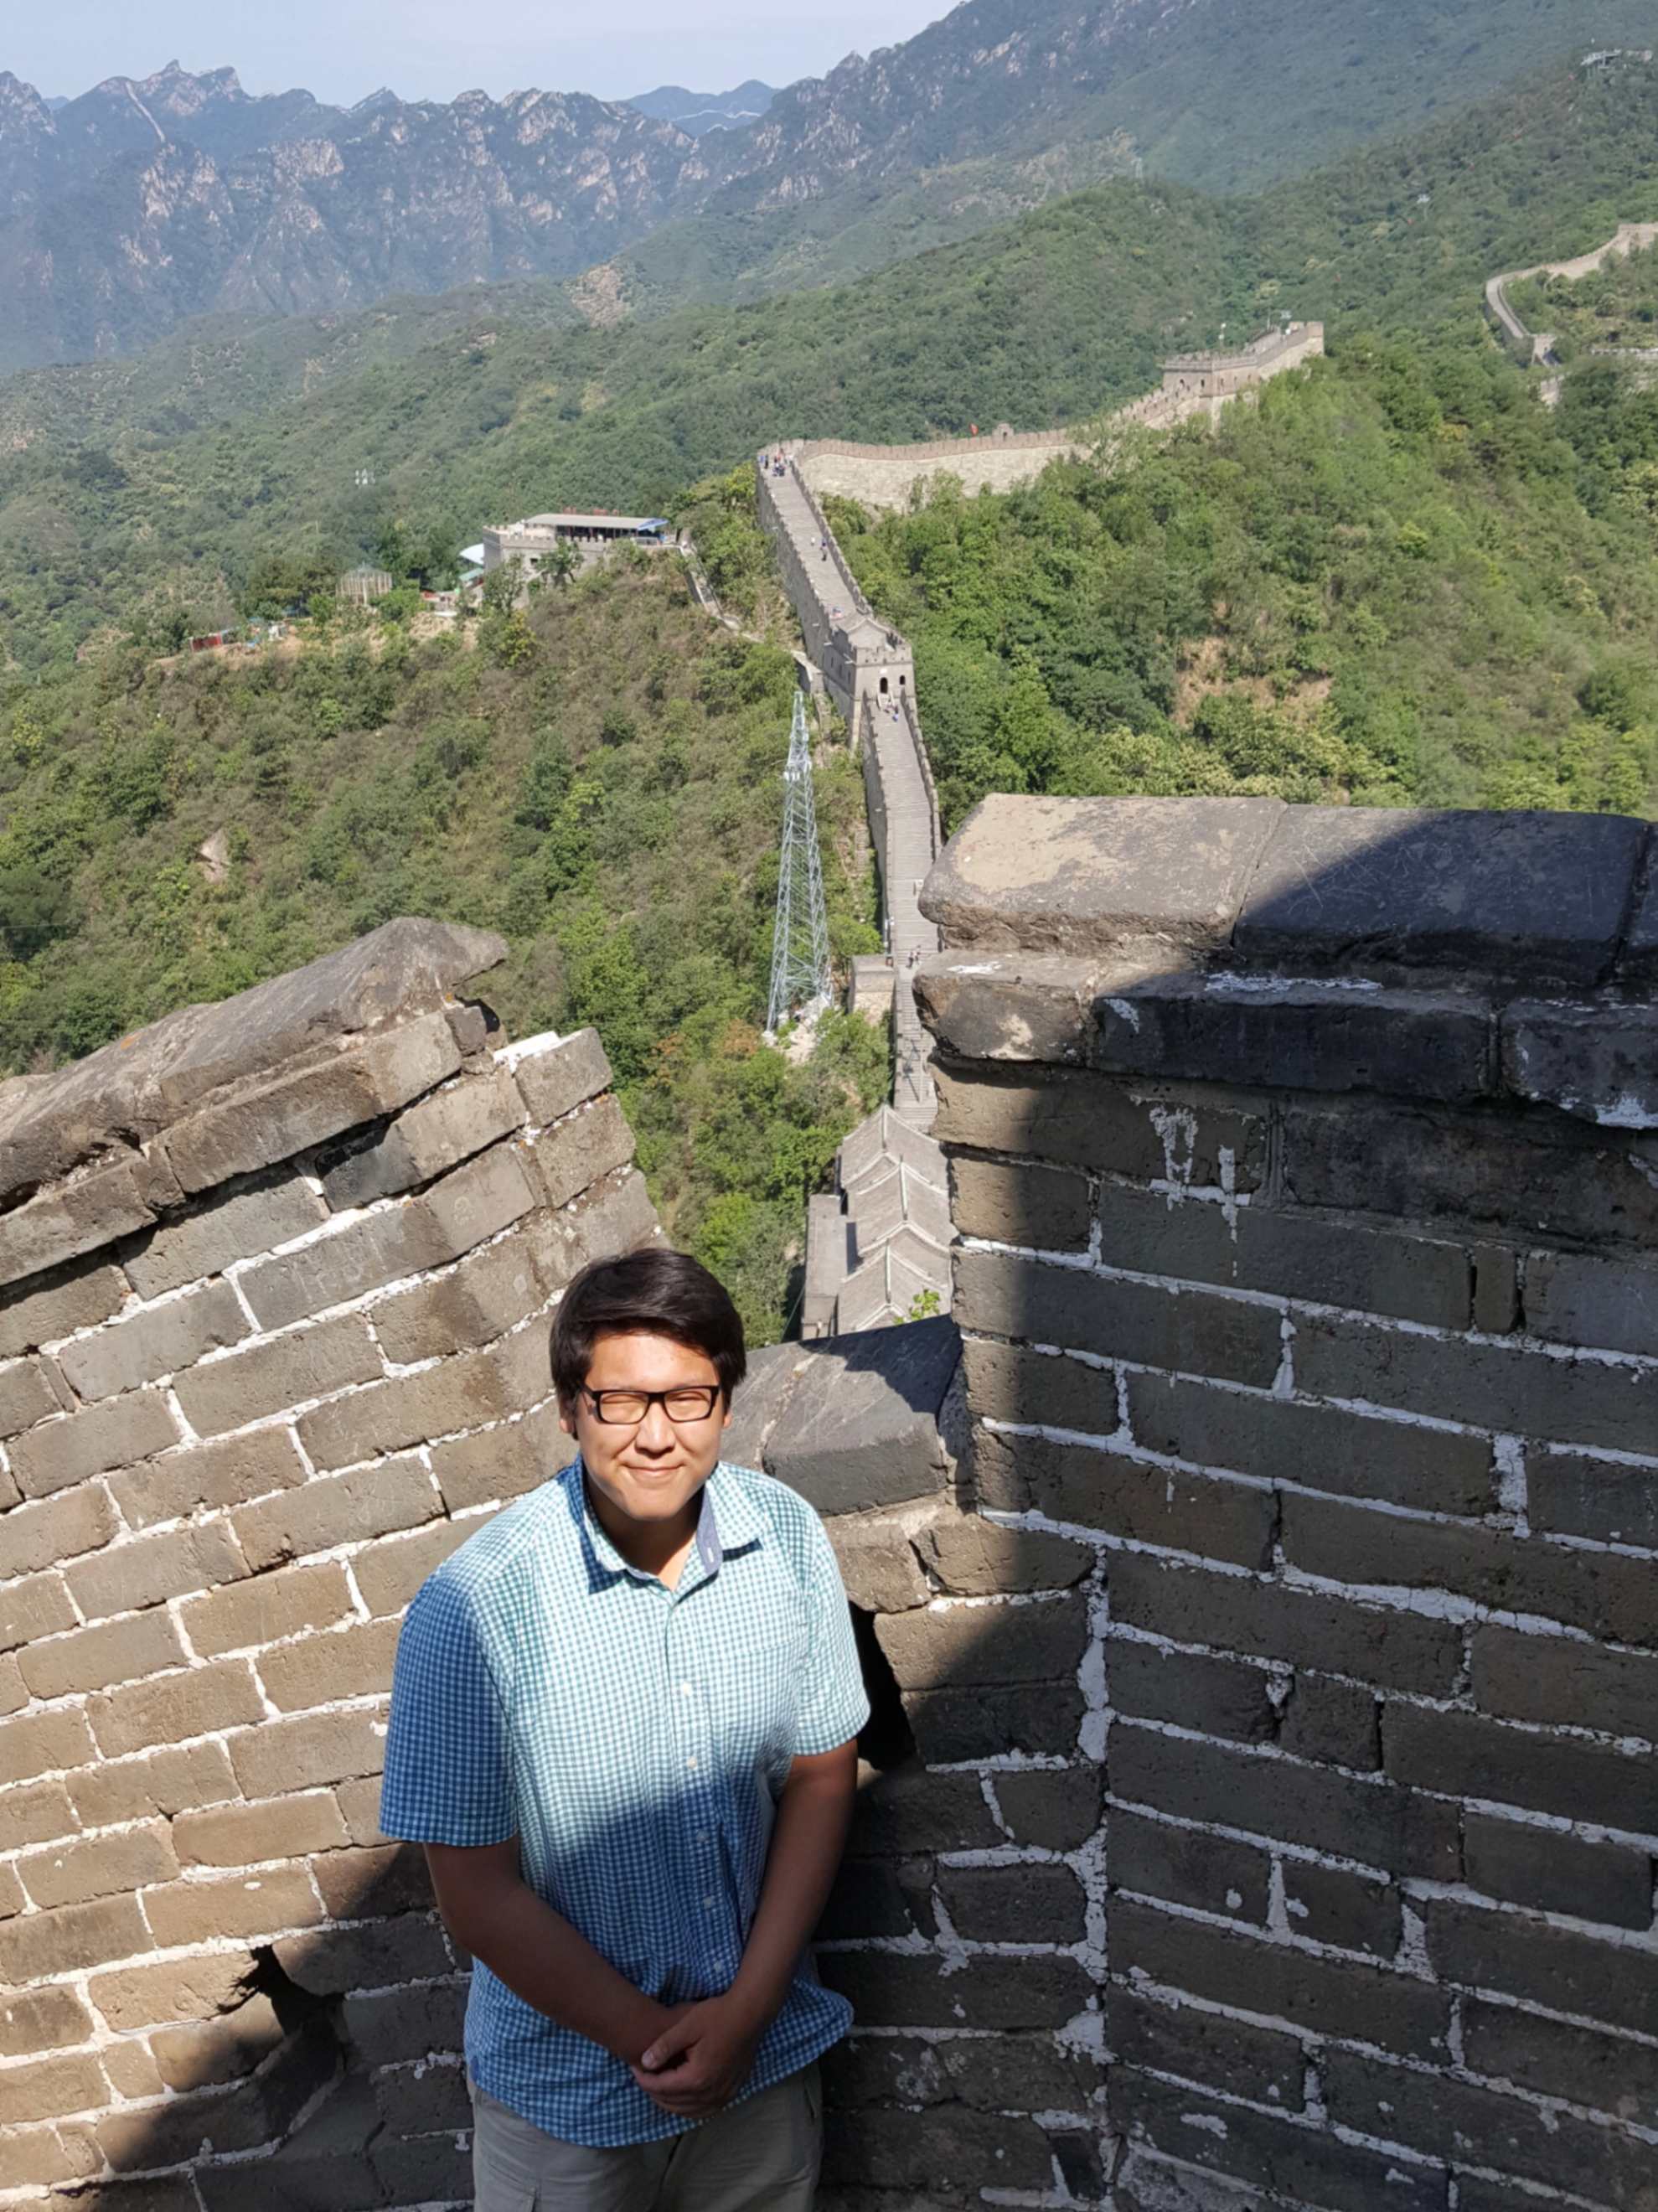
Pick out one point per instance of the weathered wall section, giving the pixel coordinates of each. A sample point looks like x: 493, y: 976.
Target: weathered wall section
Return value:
x: 273, y: 1340
x: 1305, y: 1179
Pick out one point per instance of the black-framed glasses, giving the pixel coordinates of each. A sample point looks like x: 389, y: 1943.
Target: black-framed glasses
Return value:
x: 626, y: 1409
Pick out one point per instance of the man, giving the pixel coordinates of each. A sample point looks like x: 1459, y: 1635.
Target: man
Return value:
x: 623, y: 1724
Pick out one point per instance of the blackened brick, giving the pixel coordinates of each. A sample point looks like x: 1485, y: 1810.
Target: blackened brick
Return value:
x: 1580, y: 1496
x: 1059, y: 1809
x: 906, y: 1809
x: 1269, y: 1620
x: 1006, y: 1382
x: 1319, y: 1995
x: 1194, y: 1136
x: 910, y: 2150
x: 1603, y: 1592
x: 1218, y: 2052
x: 1607, y: 2073
x: 386, y: 2025
x: 1373, y: 1822
x: 1023, y: 1904
x: 1038, y: 1642
x: 890, y: 1989
x: 1336, y: 1724
x: 1041, y: 1721
x: 1563, y: 1683
x: 1518, y: 1956
x: 1557, y: 1873
x: 1464, y: 1754
x: 1187, y: 1330
x: 1155, y: 1858
x: 1123, y: 1497
x: 1351, y: 1910
x: 877, y: 1898
x: 371, y: 1956
x: 1577, y: 1299
x: 1040, y: 1209
x: 1217, y: 1697
x: 1287, y: 1440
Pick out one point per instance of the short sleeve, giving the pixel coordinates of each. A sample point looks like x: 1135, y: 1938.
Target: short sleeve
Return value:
x: 448, y: 1770
x: 833, y: 1706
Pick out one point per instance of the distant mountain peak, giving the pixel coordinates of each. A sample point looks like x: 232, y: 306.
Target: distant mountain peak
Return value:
x: 694, y: 113
x: 384, y: 97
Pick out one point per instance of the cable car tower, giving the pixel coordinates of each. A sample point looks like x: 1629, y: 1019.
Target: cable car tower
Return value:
x: 800, y: 983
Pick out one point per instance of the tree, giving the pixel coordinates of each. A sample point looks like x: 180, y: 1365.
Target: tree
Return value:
x: 563, y: 563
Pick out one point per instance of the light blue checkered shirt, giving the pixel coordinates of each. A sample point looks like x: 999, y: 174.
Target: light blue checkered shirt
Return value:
x: 635, y: 1740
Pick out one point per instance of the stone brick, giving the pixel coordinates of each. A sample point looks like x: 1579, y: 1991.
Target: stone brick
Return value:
x: 29, y: 1390
x: 369, y: 1884
x: 271, y: 1121
x: 1565, y: 1684
x: 246, y: 1904
x: 465, y: 1209
x: 1039, y: 1722
x: 52, y: 2088
x: 70, y: 1937
x: 1009, y: 1383
x: 575, y: 1153
x: 267, y: 1607
x: 33, y: 1606
x: 68, y: 1219
x: 878, y: 1899
x: 390, y: 1573
x: 1519, y: 1956
x: 100, y: 1866
x: 463, y: 1393
x: 227, y: 1472
x: 424, y: 2170
x: 34, y: 2157
x: 279, y: 1371
x: 1466, y: 1755
x: 160, y: 1782
x: 156, y: 1342
x: 1608, y: 2073
x: 255, y: 2112
x: 1273, y: 1620
x: 554, y: 1082
x: 1574, y: 1299
x: 1578, y: 1496
x: 59, y: 1453
x: 1557, y: 1873
x: 1351, y: 1910
x: 1257, y: 1247
x: 1597, y: 1059
x: 1433, y: 2114
x: 1124, y: 1498
x: 1040, y: 1208
x: 968, y: 1644
x: 244, y: 1835
x: 487, y: 1294
x: 1223, y: 2054
x: 36, y: 1812
x: 906, y: 1809
x: 860, y: 1426
x: 42, y: 1743
x: 169, y: 1709
x: 420, y: 2100
x: 360, y: 1807
x: 1337, y: 1723
x: 1535, y: 1174
x: 1317, y: 1995
x: 897, y: 1989
x: 1027, y: 1903
x: 1194, y: 1136
x: 1081, y: 1311
x: 189, y: 1989
x: 169, y: 1564
x: 1060, y: 1811
x: 978, y: 1559
x: 217, y: 1232
x: 42, y: 1533
x: 397, y: 1493
x: 372, y: 1955
x: 1373, y: 1822
x: 42, y: 2020
x: 305, y: 1753
x: 1214, y: 1697
x: 132, y: 2071
x: 1495, y: 1289
x: 1156, y: 1858
x: 222, y: 2050
x: 1319, y: 1446
x: 351, y: 1662
x: 501, y: 1463
x: 435, y: 1134
x: 384, y: 2025
x: 912, y: 2149
x: 13, y: 1694
x: 12, y: 1898
x: 36, y: 1313
x: 877, y: 1561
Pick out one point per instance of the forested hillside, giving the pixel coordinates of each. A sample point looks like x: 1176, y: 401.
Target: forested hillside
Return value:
x: 106, y: 499
x: 601, y: 780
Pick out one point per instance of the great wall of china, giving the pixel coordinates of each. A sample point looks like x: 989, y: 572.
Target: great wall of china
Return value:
x: 873, y: 1249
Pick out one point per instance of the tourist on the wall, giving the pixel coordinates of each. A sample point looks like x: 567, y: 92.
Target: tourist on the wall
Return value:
x: 624, y: 1724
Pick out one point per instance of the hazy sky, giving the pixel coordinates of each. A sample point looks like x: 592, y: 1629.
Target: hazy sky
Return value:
x: 432, y: 49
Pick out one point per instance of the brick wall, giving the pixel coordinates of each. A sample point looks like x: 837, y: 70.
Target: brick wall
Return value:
x: 1287, y: 1828
x: 277, y: 1279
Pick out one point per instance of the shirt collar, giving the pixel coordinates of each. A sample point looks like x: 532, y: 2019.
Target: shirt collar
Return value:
x: 725, y: 1522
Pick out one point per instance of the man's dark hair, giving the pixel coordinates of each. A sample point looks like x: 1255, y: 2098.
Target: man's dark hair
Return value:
x: 651, y: 1292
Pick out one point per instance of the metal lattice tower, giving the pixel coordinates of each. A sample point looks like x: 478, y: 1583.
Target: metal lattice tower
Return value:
x: 799, y: 958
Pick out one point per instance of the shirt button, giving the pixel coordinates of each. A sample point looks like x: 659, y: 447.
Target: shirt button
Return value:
x: 690, y: 1762
x: 708, y: 1905
x: 684, y: 1689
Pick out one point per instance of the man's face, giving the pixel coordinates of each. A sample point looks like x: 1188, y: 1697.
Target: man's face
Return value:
x: 652, y: 1469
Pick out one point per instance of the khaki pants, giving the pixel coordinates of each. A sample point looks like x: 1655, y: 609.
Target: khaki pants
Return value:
x: 759, y: 2156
